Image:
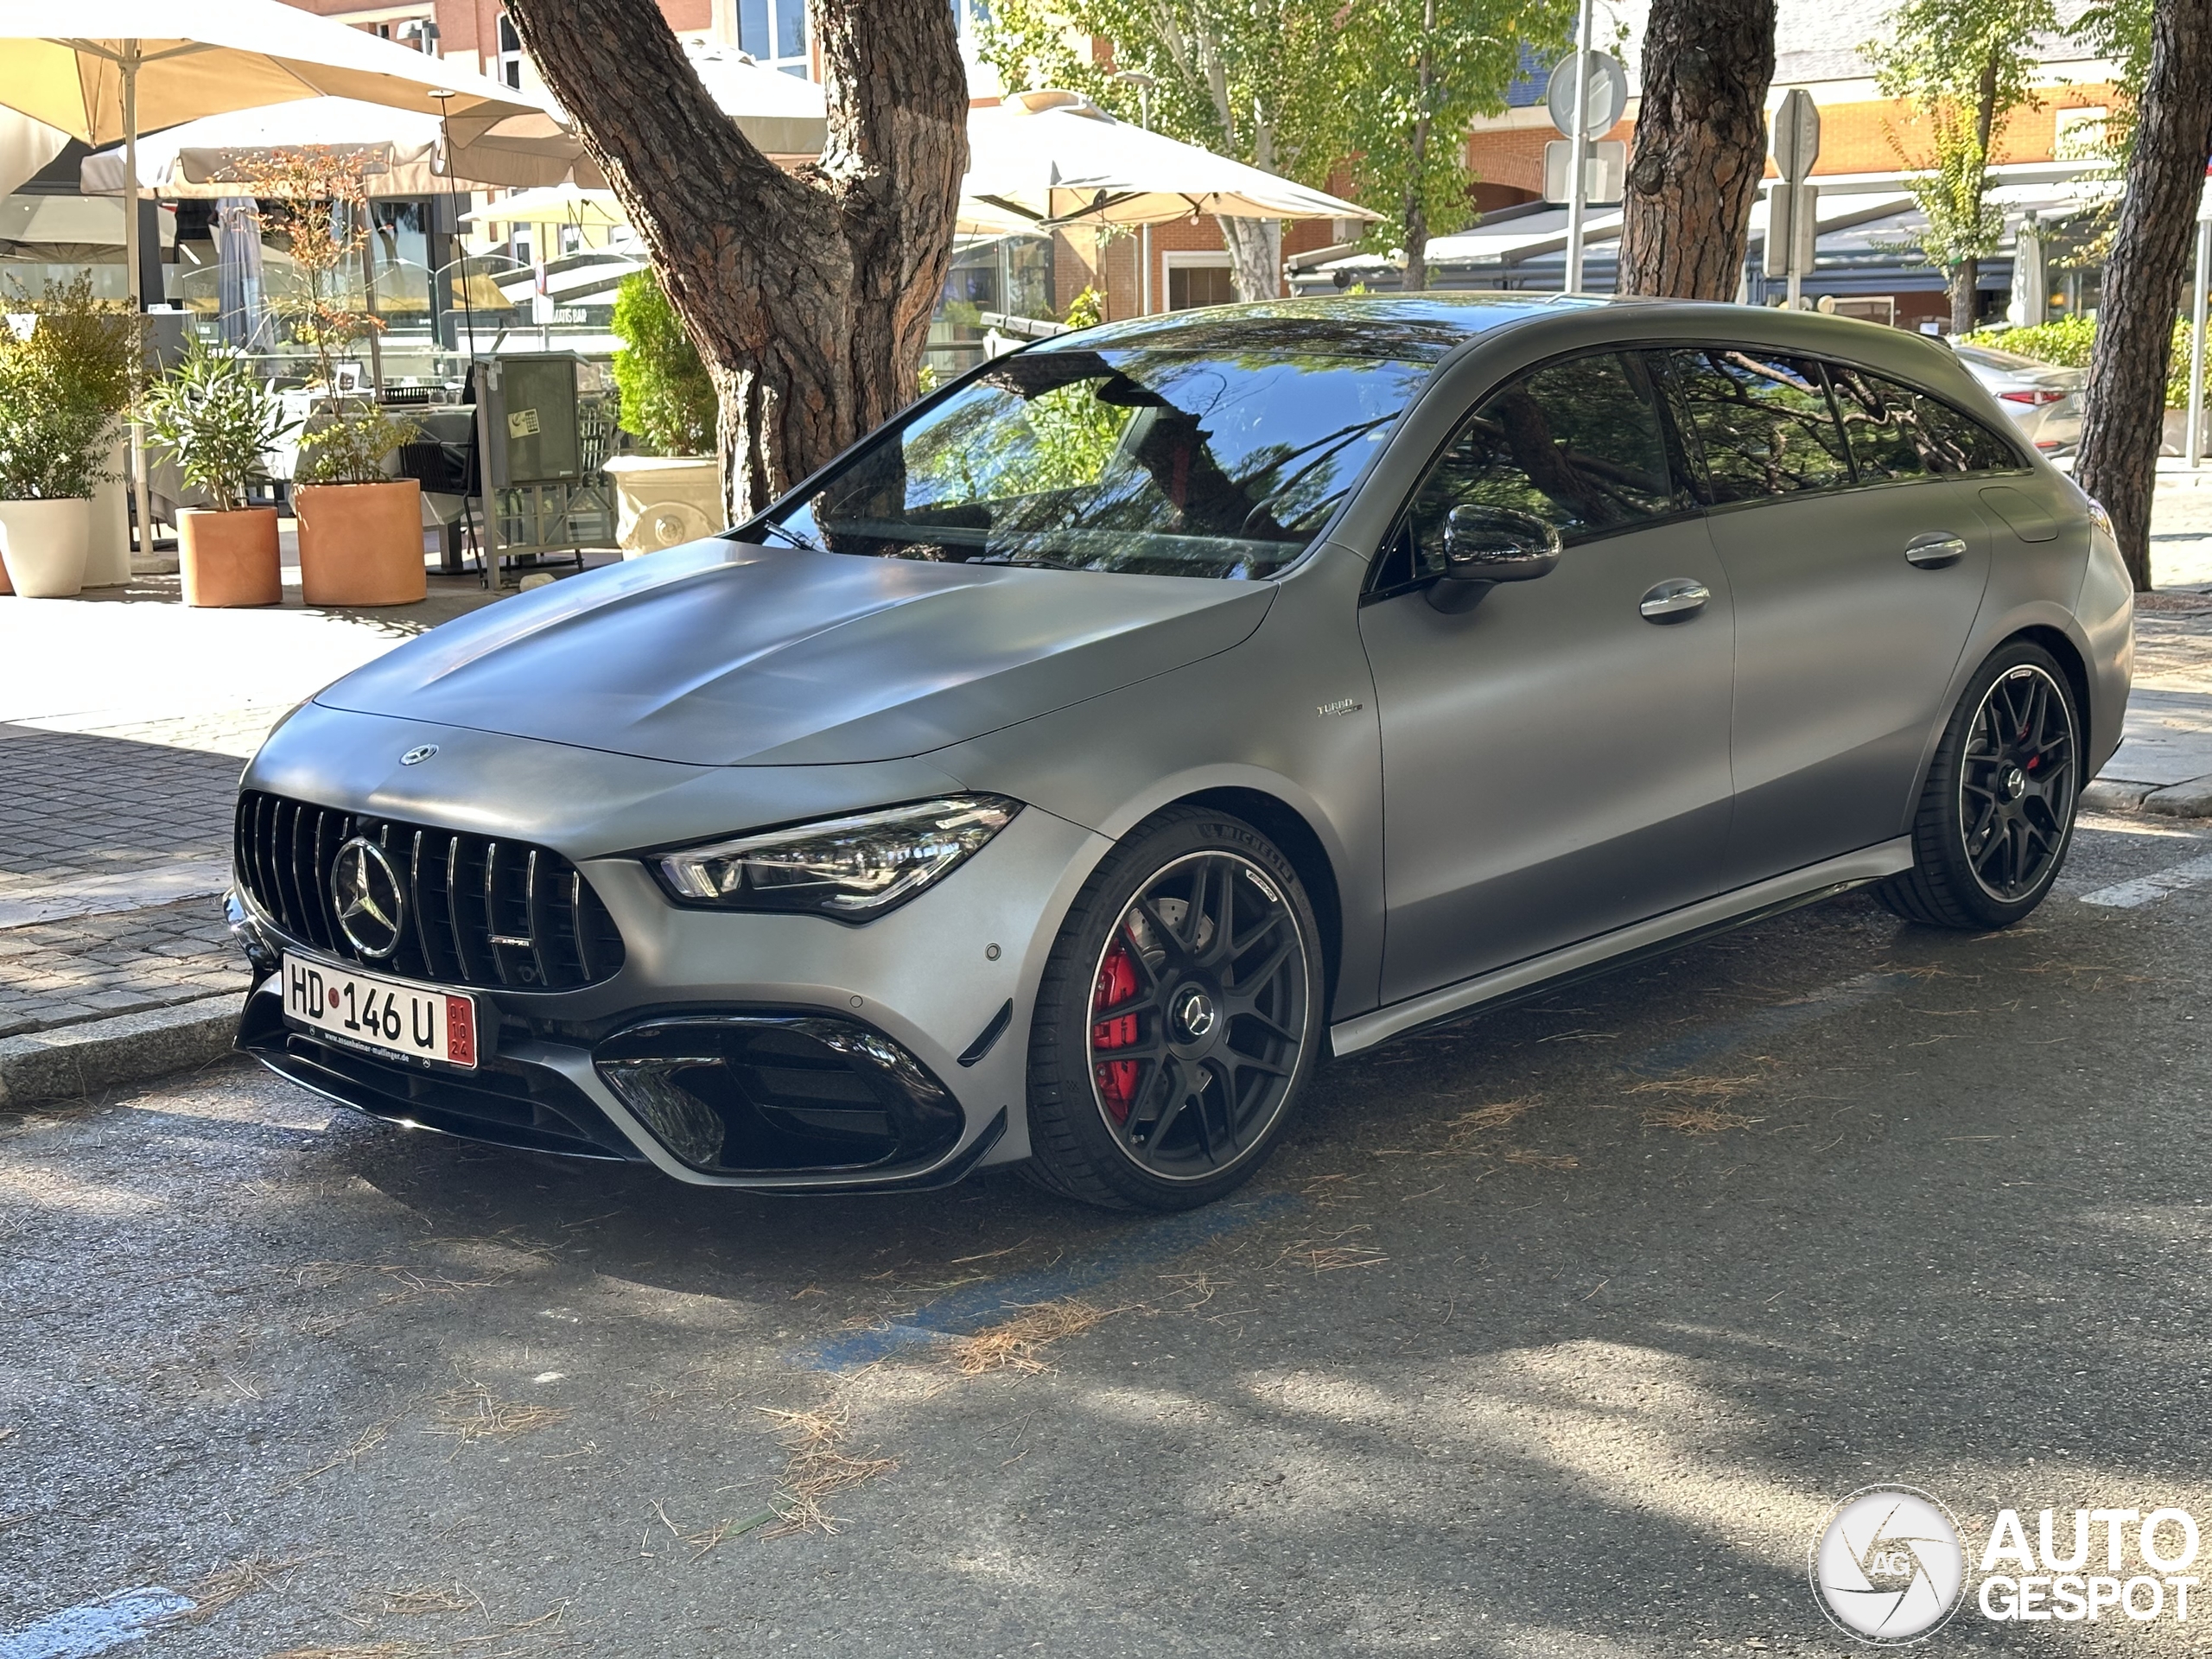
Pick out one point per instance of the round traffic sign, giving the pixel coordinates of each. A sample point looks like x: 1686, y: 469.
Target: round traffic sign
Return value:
x: 1608, y: 94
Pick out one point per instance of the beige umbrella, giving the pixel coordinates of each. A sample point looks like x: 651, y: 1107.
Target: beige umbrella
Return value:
x: 125, y: 66
x: 405, y: 152
x: 558, y: 204
x: 1054, y: 158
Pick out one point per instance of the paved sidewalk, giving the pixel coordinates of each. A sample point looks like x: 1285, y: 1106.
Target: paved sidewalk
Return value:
x: 123, y: 719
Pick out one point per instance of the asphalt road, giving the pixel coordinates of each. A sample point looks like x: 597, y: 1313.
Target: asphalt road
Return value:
x: 1556, y: 1332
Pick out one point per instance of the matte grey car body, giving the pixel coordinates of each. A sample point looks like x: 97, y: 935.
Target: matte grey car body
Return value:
x: 1476, y: 801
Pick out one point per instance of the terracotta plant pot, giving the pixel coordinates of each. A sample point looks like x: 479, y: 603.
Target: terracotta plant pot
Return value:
x: 44, y: 545
x: 230, y: 558
x: 361, y: 543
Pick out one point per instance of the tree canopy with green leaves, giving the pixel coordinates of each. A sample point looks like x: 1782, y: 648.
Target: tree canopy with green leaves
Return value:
x: 1965, y: 66
x: 1297, y: 87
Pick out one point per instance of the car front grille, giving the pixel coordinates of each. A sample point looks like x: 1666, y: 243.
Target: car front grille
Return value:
x: 477, y: 910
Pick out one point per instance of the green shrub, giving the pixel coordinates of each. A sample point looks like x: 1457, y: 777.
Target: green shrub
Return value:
x: 2066, y: 344
x: 212, y: 413
x: 61, y: 389
x: 667, y: 398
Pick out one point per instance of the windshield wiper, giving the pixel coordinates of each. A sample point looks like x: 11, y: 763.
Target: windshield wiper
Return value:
x: 793, y: 537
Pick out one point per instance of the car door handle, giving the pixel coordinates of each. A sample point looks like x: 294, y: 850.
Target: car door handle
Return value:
x: 1676, y: 601
x: 1935, y: 549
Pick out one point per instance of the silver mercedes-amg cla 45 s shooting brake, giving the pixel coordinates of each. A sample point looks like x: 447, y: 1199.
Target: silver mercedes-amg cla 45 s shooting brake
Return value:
x: 1059, y: 775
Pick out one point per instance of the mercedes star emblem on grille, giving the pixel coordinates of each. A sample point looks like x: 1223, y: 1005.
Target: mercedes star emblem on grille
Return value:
x: 366, y: 889
x: 415, y: 757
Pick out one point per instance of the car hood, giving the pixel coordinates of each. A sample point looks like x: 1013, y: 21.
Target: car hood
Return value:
x: 725, y: 654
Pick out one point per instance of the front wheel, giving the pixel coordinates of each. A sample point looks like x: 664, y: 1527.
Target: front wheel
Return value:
x: 1996, y: 816
x: 1179, y: 1015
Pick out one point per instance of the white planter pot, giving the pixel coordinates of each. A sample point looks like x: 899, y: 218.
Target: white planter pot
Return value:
x: 663, y: 501
x: 45, y: 544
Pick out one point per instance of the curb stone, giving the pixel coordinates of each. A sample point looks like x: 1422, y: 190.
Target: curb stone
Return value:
x: 72, y: 1060
x: 2191, y: 800
x: 2111, y: 795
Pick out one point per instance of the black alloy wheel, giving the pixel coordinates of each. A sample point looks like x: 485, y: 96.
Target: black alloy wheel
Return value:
x: 1180, y: 1018
x: 1996, y: 814
x: 2017, y: 784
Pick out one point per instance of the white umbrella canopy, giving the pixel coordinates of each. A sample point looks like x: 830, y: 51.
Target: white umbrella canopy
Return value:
x: 218, y: 155
x: 210, y: 56
x: 559, y: 204
x: 783, y: 114
x: 1054, y: 158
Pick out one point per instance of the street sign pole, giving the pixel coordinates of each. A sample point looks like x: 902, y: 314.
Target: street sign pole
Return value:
x: 1578, y: 158
x: 1791, y: 229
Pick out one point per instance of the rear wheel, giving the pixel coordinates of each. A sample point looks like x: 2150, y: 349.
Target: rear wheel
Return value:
x: 1179, y: 1015
x: 1996, y: 816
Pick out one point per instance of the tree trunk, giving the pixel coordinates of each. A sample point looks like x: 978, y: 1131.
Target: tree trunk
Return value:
x: 2126, y: 400
x: 1254, y: 256
x: 1416, y: 279
x: 1700, y: 147
x: 1966, y: 297
x: 808, y: 297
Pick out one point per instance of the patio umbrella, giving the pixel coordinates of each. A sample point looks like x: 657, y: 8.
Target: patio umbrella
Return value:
x: 127, y: 65
x: 556, y: 203
x: 406, y: 150
x: 1055, y: 159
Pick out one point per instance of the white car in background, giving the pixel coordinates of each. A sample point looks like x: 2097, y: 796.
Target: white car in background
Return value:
x: 2043, y: 400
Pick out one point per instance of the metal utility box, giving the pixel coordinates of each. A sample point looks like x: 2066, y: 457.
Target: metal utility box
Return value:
x: 545, y: 424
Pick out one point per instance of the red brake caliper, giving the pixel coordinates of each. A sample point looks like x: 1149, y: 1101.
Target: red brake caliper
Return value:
x: 1117, y: 984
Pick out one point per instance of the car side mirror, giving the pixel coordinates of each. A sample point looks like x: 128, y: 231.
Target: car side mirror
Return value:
x: 1483, y: 546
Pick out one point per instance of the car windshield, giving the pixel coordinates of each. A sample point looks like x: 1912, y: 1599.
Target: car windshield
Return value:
x: 1141, y: 460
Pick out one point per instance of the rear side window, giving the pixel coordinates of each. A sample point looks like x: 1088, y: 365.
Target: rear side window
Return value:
x: 1880, y: 424
x: 1953, y: 442
x: 1895, y: 432
x: 1763, y: 420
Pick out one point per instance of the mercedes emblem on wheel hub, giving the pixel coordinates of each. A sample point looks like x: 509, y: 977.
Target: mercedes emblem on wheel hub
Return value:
x: 2015, y: 784
x: 366, y: 889
x: 1195, y: 1015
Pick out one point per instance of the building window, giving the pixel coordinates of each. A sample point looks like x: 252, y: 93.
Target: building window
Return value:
x: 773, y: 32
x: 507, y: 65
x: 1196, y: 279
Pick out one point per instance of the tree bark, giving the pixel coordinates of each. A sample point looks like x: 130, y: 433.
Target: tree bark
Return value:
x: 1416, y: 279
x: 1700, y: 147
x: 1254, y: 256
x: 2126, y: 400
x: 1965, y: 299
x: 809, y: 297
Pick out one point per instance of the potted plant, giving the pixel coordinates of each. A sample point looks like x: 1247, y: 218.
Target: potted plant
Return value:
x: 69, y: 365
x: 360, y: 529
x: 672, y: 491
x: 213, y: 414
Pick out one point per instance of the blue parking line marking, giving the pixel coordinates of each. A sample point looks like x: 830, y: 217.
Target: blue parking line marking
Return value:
x: 97, y: 1627
x: 1763, y: 1025
x: 973, y: 1306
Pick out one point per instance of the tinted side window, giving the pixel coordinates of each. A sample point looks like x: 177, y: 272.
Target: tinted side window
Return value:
x: 1576, y: 443
x: 1881, y: 425
x: 1763, y: 420
x: 1957, y: 442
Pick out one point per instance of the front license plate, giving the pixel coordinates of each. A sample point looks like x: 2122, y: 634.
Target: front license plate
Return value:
x: 420, y: 1021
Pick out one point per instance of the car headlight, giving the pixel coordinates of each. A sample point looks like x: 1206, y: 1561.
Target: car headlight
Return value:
x: 2099, y: 517
x: 855, y: 868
